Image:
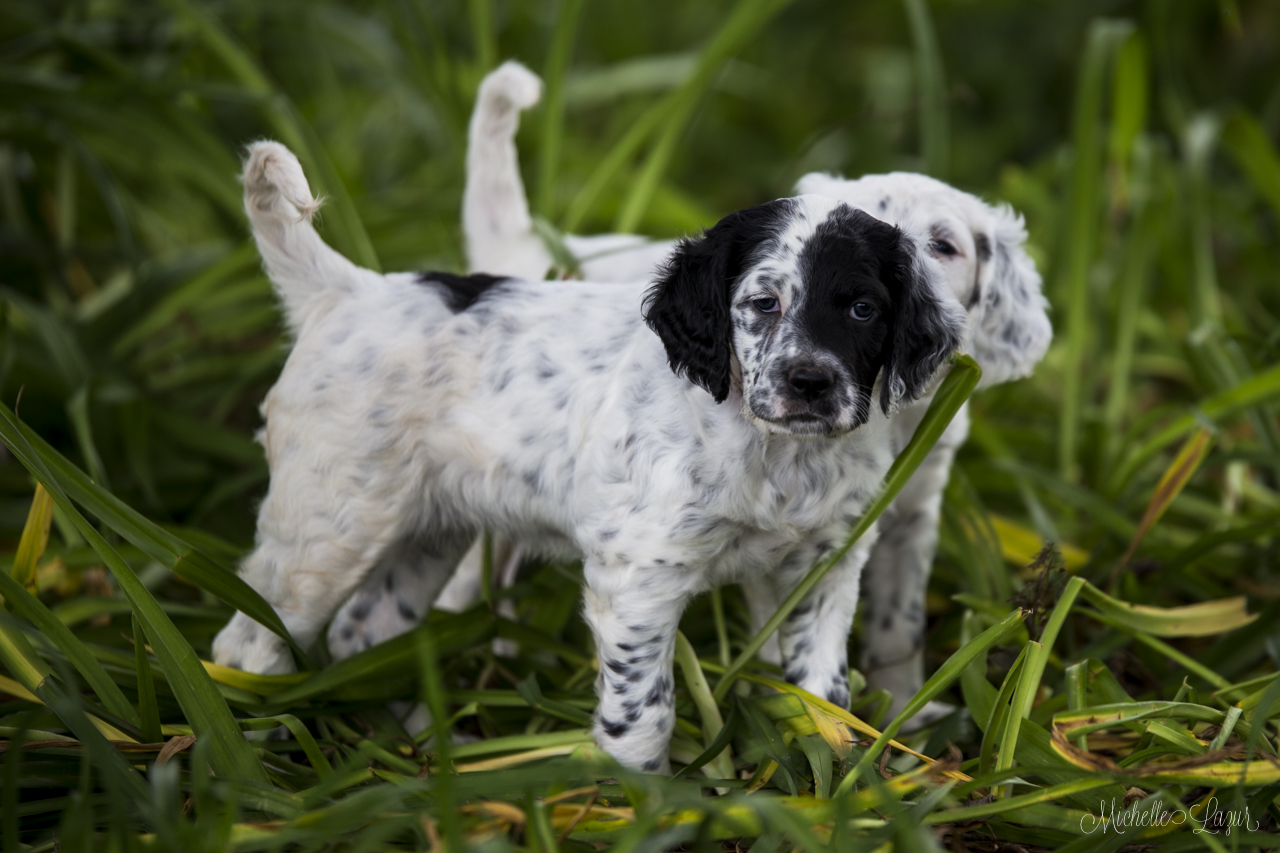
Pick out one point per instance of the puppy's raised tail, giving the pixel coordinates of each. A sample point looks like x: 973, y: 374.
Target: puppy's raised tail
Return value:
x: 306, y: 272
x: 495, y: 211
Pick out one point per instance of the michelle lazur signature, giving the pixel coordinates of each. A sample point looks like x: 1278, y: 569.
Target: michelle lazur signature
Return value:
x: 1206, y: 817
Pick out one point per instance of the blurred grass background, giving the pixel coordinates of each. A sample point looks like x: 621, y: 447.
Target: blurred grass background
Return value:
x: 1139, y: 139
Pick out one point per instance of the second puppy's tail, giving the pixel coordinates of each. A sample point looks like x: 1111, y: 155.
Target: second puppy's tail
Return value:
x: 495, y: 211
x: 303, y: 268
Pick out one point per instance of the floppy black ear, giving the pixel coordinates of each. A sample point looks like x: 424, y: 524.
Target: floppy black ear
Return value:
x: 928, y: 323
x: 688, y: 305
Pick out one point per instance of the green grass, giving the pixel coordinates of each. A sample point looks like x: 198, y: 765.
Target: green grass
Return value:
x: 138, y: 335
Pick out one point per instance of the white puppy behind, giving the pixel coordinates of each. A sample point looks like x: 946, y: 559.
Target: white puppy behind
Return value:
x: 728, y: 423
x: 981, y: 248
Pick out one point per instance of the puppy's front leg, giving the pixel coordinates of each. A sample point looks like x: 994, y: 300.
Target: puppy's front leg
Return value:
x: 634, y: 617
x: 814, y: 639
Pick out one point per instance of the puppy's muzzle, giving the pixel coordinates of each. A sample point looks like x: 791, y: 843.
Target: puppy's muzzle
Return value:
x: 810, y: 382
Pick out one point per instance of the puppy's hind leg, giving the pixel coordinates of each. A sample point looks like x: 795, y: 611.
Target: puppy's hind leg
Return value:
x: 397, y: 594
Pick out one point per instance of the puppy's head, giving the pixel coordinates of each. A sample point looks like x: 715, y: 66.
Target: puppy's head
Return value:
x: 981, y: 250
x: 801, y: 303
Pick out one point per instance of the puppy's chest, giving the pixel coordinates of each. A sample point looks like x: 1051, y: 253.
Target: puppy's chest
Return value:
x: 788, y: 497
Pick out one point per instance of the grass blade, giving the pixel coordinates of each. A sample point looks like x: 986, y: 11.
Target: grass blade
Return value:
x: 939, y: 681
x: 159, y: 544
x: 744, y: 22
x: 1082, y: 230
x: 33, y: 610
x: 148, y: 710
x: 230, y: 754
x: 1193, y: 620
x: 1261, y: 388
x: 1175, y: 478
x: 1255, y: 155
x: 348, y: 231
x: 696, y: 682
x: 553, y: 104
x: 931, y: 90
x: 35, y: 538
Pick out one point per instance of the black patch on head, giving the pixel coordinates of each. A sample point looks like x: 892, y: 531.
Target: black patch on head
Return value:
x: 688, y: 306
x: 844, y: 263
x: 460, y: 292
x: 854, y: 257
x: 406, y: 612
x: 651, y: 765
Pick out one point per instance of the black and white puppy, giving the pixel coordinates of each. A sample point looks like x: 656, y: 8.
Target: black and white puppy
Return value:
x: 727, y: 423
x: 982, y: 251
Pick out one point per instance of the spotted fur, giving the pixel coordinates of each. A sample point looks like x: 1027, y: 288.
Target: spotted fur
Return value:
x: 400, y: 426
x: 986, y: 267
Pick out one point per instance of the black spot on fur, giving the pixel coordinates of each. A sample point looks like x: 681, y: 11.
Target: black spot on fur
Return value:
x: 660, y: 693
x: 460, y: 292
x: 406, y: 612
x: 390, y: 582
x: 360, y: 611
x: 982, y: 246
x: 795, y: 676
x: 618, y: 666
x: 651, y: 765
x: 614, y: 729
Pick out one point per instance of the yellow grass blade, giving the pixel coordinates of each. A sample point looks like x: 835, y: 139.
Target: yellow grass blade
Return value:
x: 1019, y: 545
x: 1175, y: 477
x: 35, y: 538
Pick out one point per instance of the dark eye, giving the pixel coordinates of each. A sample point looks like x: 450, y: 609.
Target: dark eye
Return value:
x: 942, y: 247
x: 766, y: 304
x: 862, y: 311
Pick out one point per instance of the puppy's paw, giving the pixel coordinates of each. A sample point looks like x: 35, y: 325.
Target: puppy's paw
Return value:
x: 512, y: 86
x: 273, y: 173
x: 246, y: 645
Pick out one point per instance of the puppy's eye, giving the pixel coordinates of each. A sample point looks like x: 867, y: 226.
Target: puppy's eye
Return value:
x: 862, y: 311
x: 766, y: 304
x: 942, y: 247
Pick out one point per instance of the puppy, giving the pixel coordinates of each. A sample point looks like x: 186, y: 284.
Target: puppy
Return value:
x: 986, y: 268
x: 727, y: 423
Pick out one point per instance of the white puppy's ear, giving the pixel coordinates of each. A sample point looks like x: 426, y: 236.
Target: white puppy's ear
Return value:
x: 1009, y: 323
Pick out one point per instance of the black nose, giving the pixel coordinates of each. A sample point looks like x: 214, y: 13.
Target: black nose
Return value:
x: 810, y: 382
